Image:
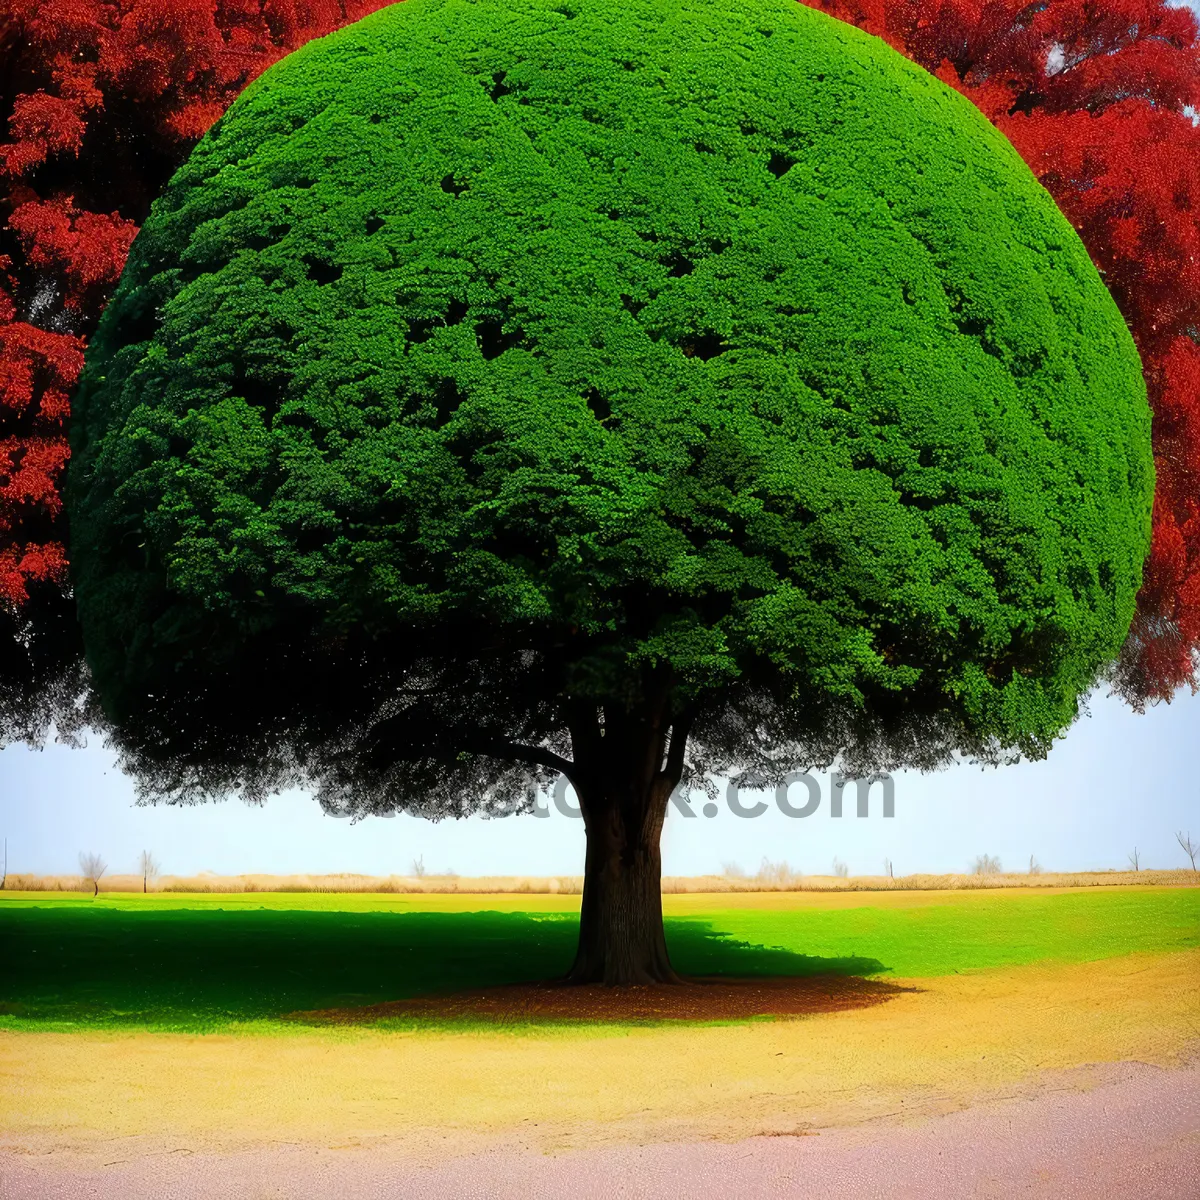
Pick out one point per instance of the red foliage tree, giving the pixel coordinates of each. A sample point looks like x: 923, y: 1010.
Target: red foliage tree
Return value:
x: 103, y: 100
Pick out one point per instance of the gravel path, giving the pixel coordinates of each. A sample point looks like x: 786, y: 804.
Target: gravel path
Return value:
x: 1134, y: 1136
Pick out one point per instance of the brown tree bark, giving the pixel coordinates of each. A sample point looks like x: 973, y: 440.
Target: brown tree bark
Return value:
x: 624, y: 775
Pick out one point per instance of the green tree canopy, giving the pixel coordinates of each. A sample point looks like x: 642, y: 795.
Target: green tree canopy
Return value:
x: 502, y: 382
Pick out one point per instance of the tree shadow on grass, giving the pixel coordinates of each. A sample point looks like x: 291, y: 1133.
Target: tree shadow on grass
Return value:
x: 697, y: 947
x: 204, y: 969
x: 725, y: 980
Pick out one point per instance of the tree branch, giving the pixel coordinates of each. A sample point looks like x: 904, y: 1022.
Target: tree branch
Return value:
x: 438, y: 743
x: 516, y: 752
x: 680, y: 729
x: 582, y: 721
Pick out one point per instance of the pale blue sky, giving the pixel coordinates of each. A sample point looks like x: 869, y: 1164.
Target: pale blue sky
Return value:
x: 1117, y: 780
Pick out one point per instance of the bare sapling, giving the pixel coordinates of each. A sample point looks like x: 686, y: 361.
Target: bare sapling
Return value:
x: 1190, y: 848
x: 149, y: 868
x: 91, y: 867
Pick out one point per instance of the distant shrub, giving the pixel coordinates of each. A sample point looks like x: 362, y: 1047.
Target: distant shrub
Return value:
x: 986, y: 864
x: 777, y: 874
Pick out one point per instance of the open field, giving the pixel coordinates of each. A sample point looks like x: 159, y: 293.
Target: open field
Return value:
x: 778, y: 878
x: 203, y: 963
x: 136, y: 1029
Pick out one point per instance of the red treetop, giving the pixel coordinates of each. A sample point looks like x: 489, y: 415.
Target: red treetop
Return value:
x: 103, y: 101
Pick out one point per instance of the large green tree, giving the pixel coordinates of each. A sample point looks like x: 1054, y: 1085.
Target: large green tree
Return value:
x: 633, y: 389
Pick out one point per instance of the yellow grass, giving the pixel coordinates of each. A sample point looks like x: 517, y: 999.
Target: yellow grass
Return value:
x: 207, y: 882
x: 676, y: 903
x: 955, y: 1041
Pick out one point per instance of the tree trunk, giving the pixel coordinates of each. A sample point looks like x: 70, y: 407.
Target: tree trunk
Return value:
x: 621, y: 937
x: 623, y: 786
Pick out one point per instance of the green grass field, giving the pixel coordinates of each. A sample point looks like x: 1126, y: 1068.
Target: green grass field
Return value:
x: 210, y: 963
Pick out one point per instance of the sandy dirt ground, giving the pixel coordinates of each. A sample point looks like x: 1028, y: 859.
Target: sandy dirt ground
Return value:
x: 964, y: 1084
x: 1134, y: 1134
